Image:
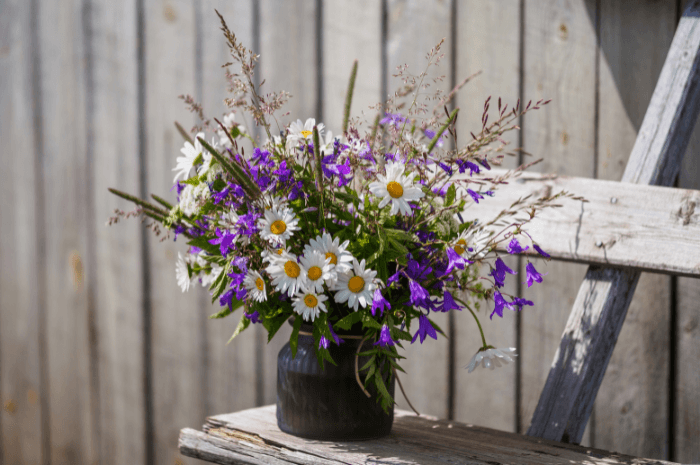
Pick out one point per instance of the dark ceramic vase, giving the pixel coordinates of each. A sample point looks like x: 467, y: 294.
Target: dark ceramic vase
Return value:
x: 328, y: 404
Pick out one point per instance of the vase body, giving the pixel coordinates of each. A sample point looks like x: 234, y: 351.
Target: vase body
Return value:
x: 328, y: 404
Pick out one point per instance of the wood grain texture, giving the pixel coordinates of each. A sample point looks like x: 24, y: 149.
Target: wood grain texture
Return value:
x: 559, y: 64
x: 177, y: 336
x: 487, y: 40
x: 426, y: 364
x: 631, y: 414
x: 287, y: 62
x: 117, y: 277
x: 341, y: 45
x: 687, y: 374
x: 631, y: 232
x: 69, y: 314
x: 252, y: 437
x: 20, y: 380
x: 232, y: 369
x: 663, y: 134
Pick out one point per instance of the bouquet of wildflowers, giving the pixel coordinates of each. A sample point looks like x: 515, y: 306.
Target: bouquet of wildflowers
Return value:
x: 360, y: 230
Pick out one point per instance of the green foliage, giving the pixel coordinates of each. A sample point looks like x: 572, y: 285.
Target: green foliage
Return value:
x: 242, y: 325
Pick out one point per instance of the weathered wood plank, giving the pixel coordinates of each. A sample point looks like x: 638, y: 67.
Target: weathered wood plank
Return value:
x: 287, y: 62
x: 426, y: 365
x: 633, y: 231
x: 21, y: 415
x: 341, y: 45
x: 231, y: 369
x: 662, y: 140
x: 252, y: 437
x: 487, y: 40
x: 65, y: 66
x: 687, y: 330
x: 631, y: 414
x: 176, y: 318
x: 559, y: 64
x: 118, y: 251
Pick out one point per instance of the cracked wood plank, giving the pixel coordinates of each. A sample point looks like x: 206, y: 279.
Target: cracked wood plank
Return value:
x: 252, y: 437
x: 605, y: 294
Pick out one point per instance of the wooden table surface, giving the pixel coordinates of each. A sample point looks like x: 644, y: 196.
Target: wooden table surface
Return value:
x: 252, y: 437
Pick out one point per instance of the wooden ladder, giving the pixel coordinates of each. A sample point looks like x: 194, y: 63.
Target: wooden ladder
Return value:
x: 601, y: 305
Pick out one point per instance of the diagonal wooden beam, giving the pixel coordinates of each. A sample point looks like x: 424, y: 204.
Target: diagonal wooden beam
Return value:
x: 604, y: 297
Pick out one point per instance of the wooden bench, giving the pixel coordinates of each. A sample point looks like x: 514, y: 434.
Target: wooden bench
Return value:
x: 620, y: 233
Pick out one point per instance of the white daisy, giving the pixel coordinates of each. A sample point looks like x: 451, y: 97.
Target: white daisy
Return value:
x: 328, y: 144
x: 255, y: 285
x: 396, y: 188
x: 286, y: 274
x: 269, y: 254
x: 191, y: 196
x: 182, y: 274
x: 229, y: 122
x: 472, y: 243
x: 318, y: 270
x: 309, y: 304
x: 269, y: 201
x: 299, y: 131
x: 278, y: 225
x: 331, y: 248
x: 491, y: 358
x: 356, y: 286
x: 209, y: 277
x: 191, y: 154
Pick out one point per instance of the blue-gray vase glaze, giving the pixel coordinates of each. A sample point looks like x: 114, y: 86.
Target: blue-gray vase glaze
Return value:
x: 328, y: 404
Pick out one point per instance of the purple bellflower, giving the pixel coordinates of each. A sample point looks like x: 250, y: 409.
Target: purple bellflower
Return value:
x: 499, y: 273
x: 540, y: 251
x: 448, y: 302
x: 335, y: 337
x: 500, y: 302
x: 424, y: 329
x: 224, y: 240
x: 519, y: 302
x: 475, y: 195
x: 379, y: 303
x: 385, y: 337
x: 324, y: 343
x: 514, y: 247
x: 532, y: 274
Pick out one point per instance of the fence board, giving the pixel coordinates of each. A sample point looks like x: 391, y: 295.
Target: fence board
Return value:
x: 559, y: 54
x: 426, y: 365
x: 633, y: 231
x: 118, y: 273
x: 65, y: 170
x: 178, y: 372
x: 487, y: 40
x: 20, y: 381
x: 342, y: 45
x: 232, y: 377
x: 687, y: 331
x: 631, y: 409
x: 288, y: 62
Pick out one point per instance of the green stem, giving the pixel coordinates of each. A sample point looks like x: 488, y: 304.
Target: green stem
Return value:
x: 237, y: 172
x: 452, y: 117
x: 137, y: 201
x: 319, y: 172
x: 183, y: 133
x: 483, y: 338
x: 162, y: 201
x: 374, y: 131
x: 348, y: 97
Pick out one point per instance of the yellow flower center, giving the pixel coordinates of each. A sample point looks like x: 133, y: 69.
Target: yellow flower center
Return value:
x: 461, y: 246
x: 315, y: 273
x: 306, y: 133
x: 259, y: 284
x: 310, y: 300
x: 292, y: 269
x: 278, y: 227
x: 395, y: 189
x: 280, y: 251
x: 334, y: 259
x: 356, y: 284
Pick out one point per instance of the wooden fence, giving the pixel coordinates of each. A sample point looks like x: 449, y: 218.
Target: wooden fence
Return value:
x: 103, y: 359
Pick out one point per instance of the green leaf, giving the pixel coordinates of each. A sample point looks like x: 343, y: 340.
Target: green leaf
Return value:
x: 294, y: 338
x: 222, y: 314
x: 437, y: 328
x: 347, y: 322
x: 369, y: 362
x: 193, y: 181
x: 219, y: 286
x: 202, y: 242
x: 369, y: 322
x: 242, y: 325
x: 381, y: 387
x: 451, y: 194
x: 272, y: 325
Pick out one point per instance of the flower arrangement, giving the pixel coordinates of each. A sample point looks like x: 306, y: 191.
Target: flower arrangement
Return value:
x: 358, y: 230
